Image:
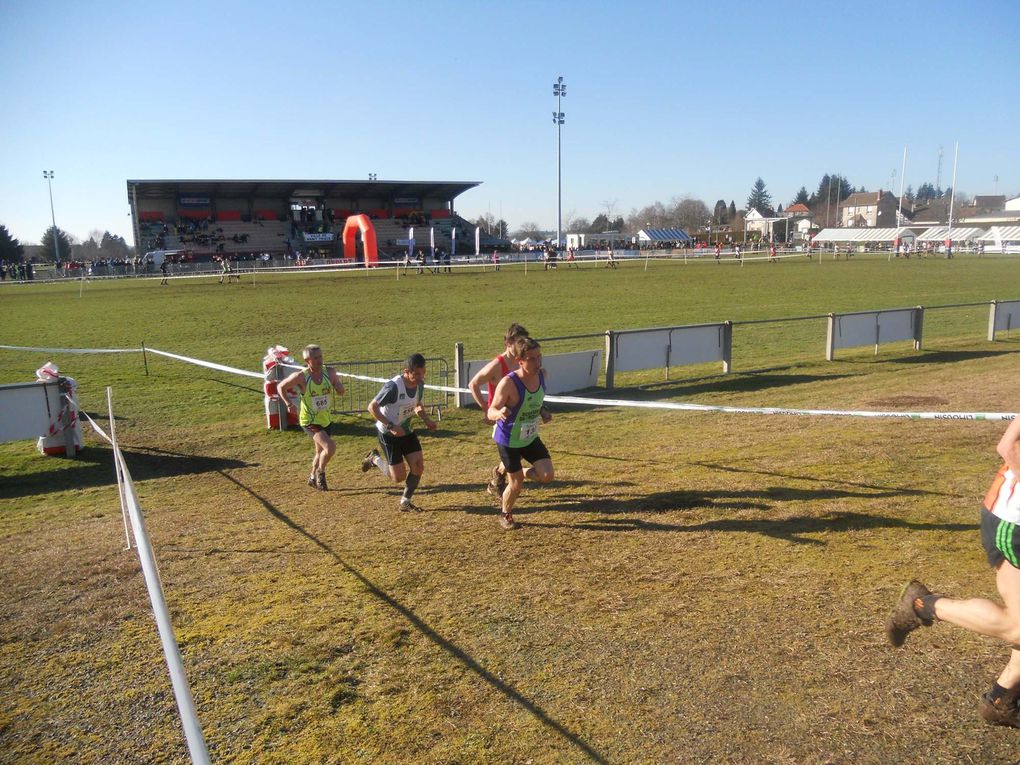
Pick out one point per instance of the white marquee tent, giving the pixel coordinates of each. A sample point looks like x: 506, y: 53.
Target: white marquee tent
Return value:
x: 1003, y: 238
x: 958, y: 234
x: 864, y: 235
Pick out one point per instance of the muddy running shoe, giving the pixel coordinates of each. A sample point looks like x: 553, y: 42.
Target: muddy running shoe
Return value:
x: 312, y: 482
x: 320, y: 481
x: 407, y: 506
x: 1002, y: 711
x: 506, y: 522
x: 369, y: 462
x: 904, y: 618
x: 497, y: 484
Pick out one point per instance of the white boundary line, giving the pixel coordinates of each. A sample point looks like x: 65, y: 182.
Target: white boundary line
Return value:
x: 587, y: 401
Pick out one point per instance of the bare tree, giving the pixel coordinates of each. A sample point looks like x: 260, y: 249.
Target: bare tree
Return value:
x: 530, y: 229
x: 690, y: 214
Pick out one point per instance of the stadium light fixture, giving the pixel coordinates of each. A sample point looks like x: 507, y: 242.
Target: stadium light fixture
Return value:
x: 48, y: 175
x: 560, y: 91
x: 372, y: 176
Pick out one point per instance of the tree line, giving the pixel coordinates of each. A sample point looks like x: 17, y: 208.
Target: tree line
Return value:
x: 57, y: 245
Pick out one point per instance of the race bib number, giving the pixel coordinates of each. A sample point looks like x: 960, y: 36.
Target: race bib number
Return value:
x: 529, y: 430
x: 320, y: 402
x: 406, y: 411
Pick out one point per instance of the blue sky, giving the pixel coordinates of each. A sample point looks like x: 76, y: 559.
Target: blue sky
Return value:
x: 665, y: 99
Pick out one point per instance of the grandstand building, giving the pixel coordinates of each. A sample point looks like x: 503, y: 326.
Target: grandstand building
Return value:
x: 249, y: 219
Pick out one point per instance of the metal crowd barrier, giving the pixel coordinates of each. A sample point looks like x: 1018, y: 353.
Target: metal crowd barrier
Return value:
x: 358, y: 393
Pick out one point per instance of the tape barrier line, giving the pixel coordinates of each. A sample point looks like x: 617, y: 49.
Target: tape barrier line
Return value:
x: 208, y: 364
x: 670, y: 405
x: 95, y: 426
x: 625, y: 403
x: 70, y: 350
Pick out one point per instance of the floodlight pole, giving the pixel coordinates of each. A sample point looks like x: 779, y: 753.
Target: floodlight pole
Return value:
x: 48, y: 175
x: 560, y: 91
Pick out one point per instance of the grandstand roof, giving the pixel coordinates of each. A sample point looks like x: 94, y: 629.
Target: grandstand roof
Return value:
x: 162, y: 189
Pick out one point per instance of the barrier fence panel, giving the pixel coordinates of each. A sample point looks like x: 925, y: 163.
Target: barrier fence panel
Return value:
x: 665, y: 347
x: 1003, y: 315
x: 27, y: 410
x: 849, y: 330
x: 358, y: 393
x: 568, y: 372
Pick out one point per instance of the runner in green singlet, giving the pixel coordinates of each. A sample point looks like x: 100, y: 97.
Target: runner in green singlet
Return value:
x: 314, y: 383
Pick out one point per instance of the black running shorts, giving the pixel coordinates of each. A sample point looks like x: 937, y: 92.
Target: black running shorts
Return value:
x: 511, y: 457
x: 396, y: 448
x: 1001, y: 540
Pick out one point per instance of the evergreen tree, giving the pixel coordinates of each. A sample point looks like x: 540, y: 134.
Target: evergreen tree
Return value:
x: 732, y: 212
x: 802, y: 197
x: 52, y: 237
x: 760, y: 199
x: 10, y: 248
x: 720, y: 214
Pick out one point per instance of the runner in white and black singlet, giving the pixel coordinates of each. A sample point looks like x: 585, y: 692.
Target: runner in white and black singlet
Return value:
x: 393, y: 407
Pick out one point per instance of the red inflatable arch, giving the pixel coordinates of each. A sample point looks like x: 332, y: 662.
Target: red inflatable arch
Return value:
x: 364, y: 224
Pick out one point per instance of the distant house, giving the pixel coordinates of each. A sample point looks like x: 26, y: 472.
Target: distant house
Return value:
x: 796, y: 211
x: 934, y: 212
x: 868, y: 209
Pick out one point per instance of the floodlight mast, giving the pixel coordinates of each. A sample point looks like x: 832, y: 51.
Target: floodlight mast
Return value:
x: 560, y: 91
x: 48, y: 175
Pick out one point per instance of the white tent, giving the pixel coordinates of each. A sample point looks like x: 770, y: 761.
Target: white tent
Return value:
x: 958, y: 234
x: 863, y: 234
x: 1003, y: 238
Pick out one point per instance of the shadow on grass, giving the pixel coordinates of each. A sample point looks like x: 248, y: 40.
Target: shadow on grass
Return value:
x: 948, y: 357
x: 741, y: 382
x: 899, y: 490
x: 787, y: 529
x: 445, y: 644
x: 671, y: 501
x: 94, y: 467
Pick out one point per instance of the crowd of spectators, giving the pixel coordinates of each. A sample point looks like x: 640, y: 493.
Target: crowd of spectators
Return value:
x: 16, y: 271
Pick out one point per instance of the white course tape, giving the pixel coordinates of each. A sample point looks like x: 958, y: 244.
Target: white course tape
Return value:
x: 625, y: 403
x: 93, y: 423
x: 70, y: 350
x: 729, y: 409
x: 209, y: 364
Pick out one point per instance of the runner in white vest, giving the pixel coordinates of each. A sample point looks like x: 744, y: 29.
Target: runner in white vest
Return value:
x: 393, y: 407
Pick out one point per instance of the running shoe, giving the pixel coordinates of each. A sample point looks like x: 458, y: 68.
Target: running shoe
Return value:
x: 904, y: 618
x: 1002, y: 711
x: 320, y: 481
x: 497, y: 484
x: 407, y: 506
x: 506, y: 522
x: 312, y: 482
x: 369, y: 462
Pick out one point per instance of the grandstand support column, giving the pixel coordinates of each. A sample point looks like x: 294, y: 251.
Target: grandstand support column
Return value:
x: 610, y: 358
x: 459, y: 371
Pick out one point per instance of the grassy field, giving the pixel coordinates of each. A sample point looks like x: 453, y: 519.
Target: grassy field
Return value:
x: 692, y: 588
